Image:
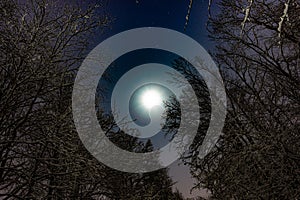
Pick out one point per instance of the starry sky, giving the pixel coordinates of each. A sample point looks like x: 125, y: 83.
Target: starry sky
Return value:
x: 129, y: 14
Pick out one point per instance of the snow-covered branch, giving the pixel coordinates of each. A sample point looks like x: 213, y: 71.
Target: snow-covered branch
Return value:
x: 283, y: 17
x: 247, y: 13
x: 188, y: 14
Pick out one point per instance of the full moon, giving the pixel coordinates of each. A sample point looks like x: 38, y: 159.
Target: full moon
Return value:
x: 151, y: 98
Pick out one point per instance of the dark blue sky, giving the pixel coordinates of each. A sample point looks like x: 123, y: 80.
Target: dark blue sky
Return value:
x: 129, y: 14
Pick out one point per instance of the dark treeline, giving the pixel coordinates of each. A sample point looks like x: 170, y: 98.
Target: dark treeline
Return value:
x: 41, y: 156
x: 258, y: 52
x: 42, y: 44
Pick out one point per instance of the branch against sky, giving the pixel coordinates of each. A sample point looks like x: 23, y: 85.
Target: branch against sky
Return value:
x: 258, y: 155
x: 41, y: 45
x: 41, y: 155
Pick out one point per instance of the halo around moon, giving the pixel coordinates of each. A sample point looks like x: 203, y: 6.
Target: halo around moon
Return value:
x: 92, y: 68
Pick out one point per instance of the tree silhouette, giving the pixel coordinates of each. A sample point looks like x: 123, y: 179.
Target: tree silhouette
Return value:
x: 41, y: 156
x: 258, y: 52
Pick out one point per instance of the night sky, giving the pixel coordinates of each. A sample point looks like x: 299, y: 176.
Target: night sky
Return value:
x: 129, y: 14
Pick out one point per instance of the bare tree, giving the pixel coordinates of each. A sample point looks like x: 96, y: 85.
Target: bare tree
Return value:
x: 258, y: 52
x: 41, y: 45
x: 41, y: 156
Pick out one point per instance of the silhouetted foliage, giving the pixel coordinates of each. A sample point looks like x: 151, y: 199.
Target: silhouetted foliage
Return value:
x: 258, y: 52
x: 41, y: 156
